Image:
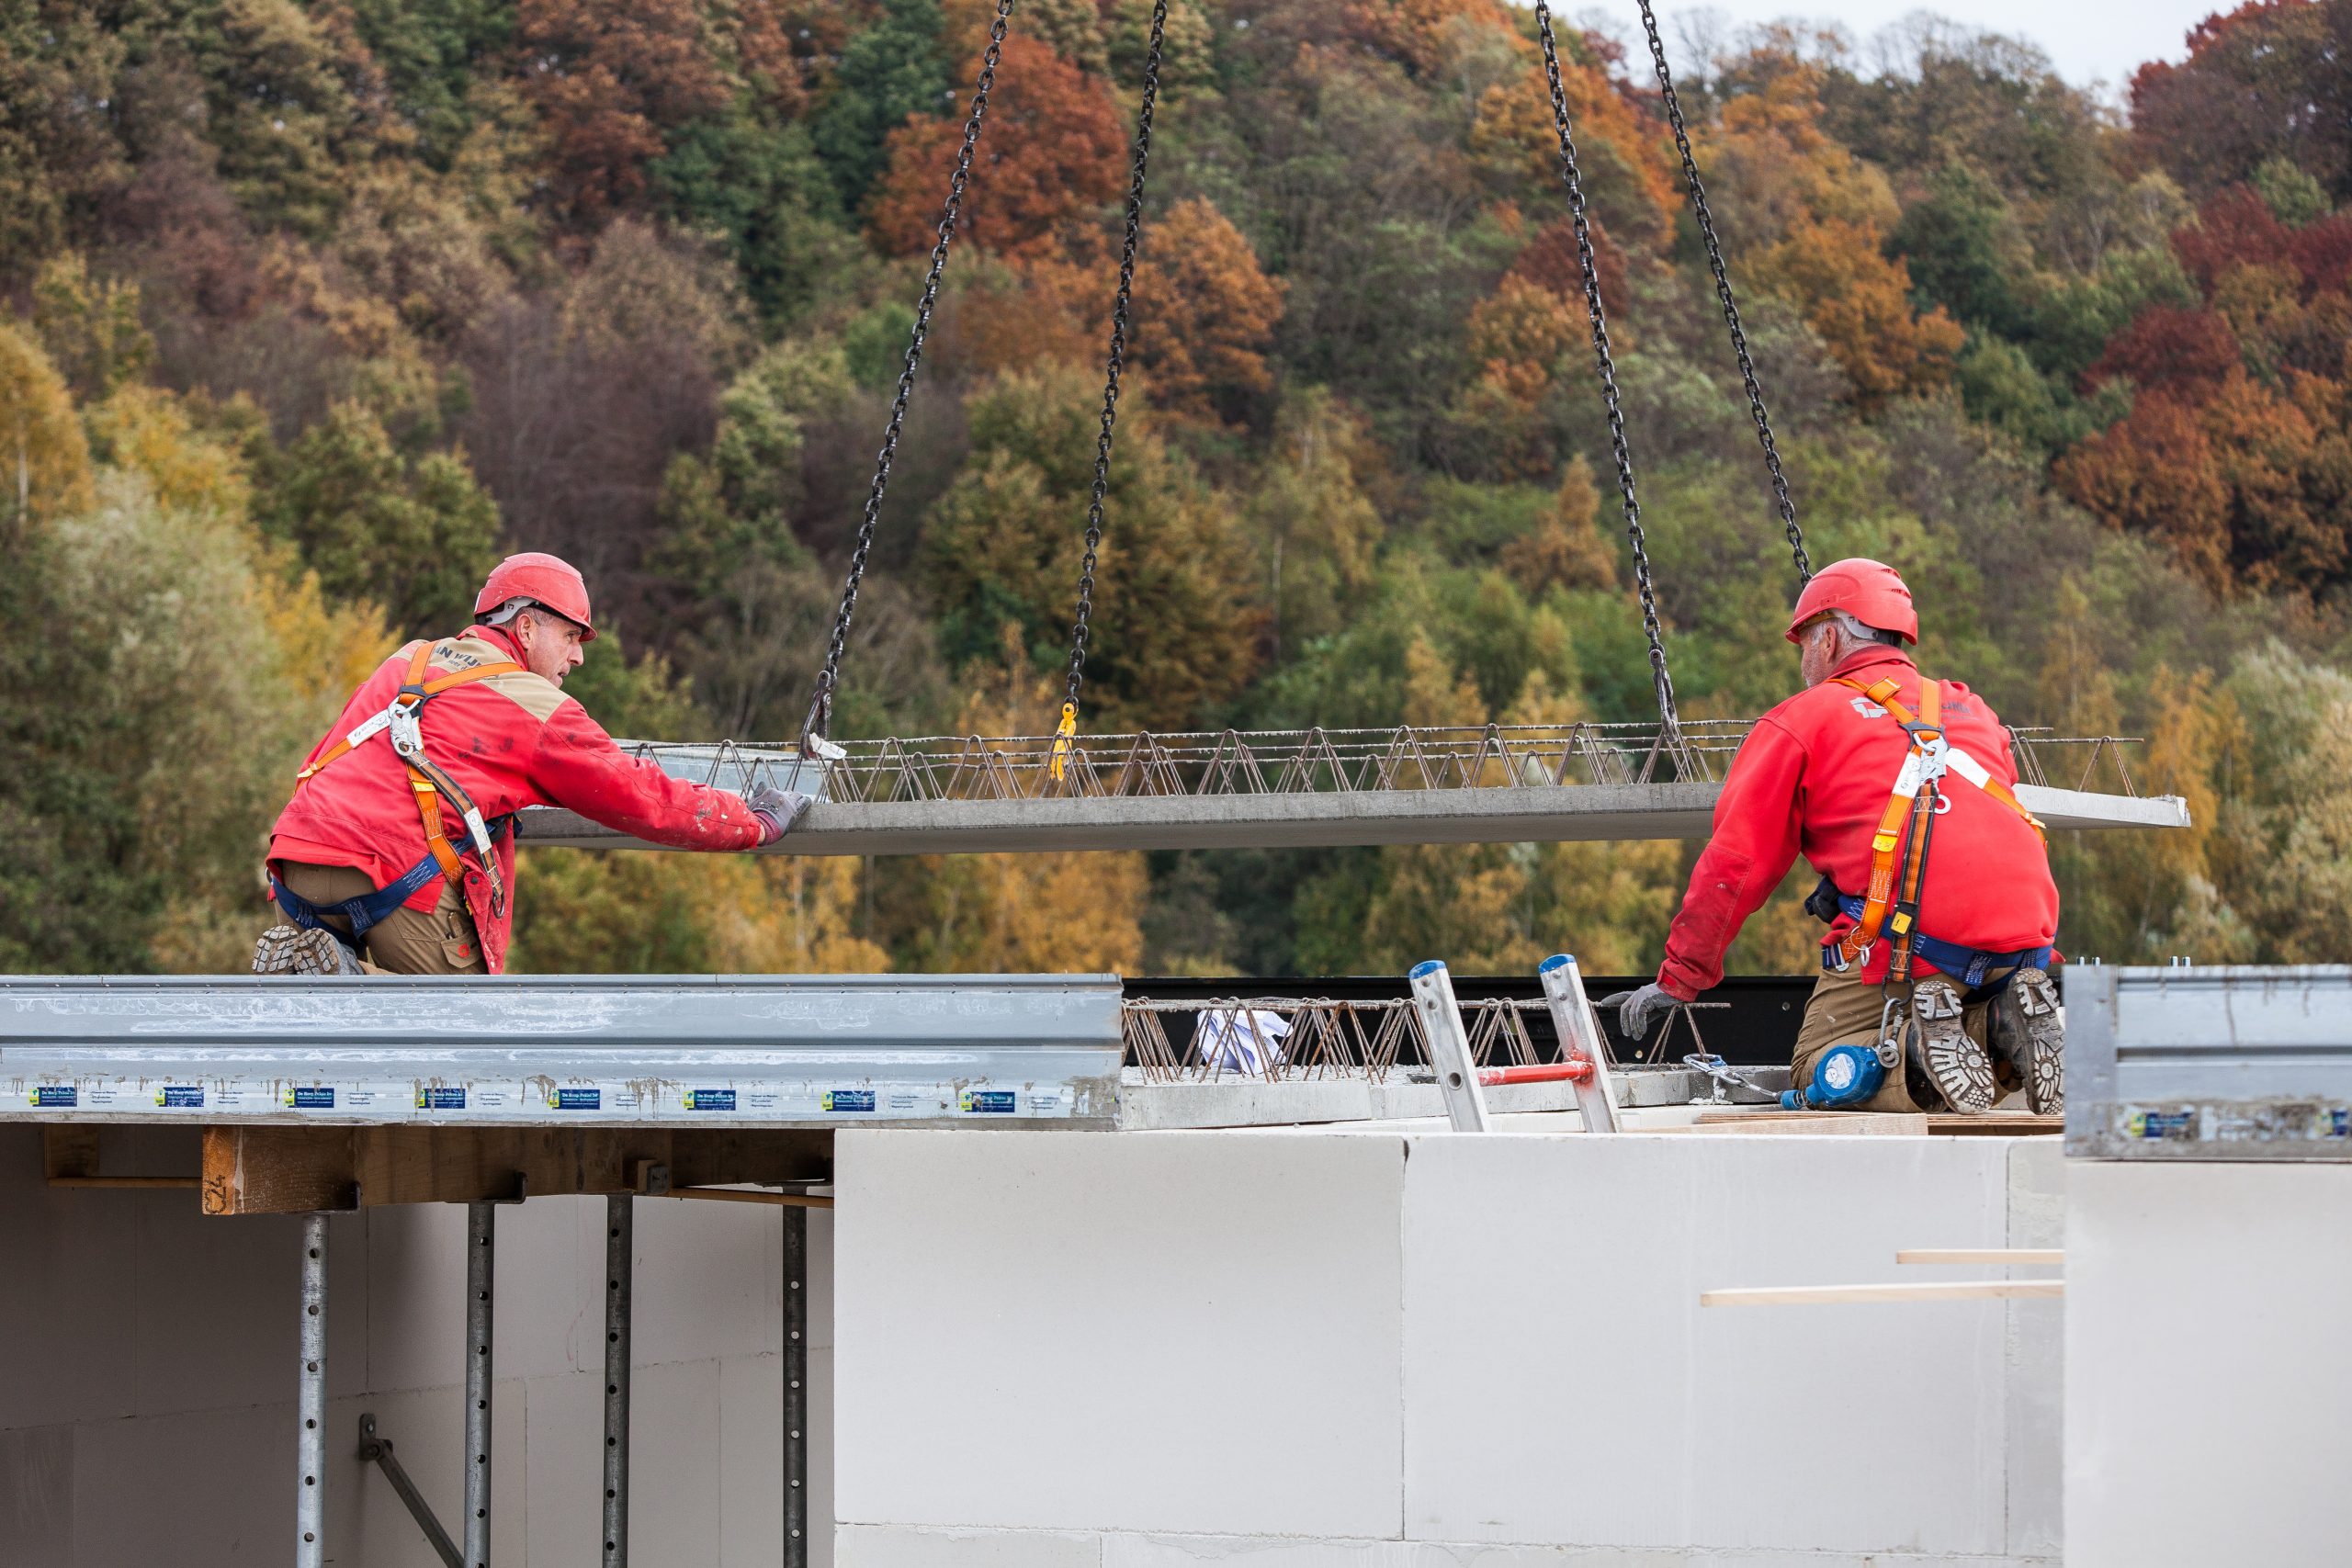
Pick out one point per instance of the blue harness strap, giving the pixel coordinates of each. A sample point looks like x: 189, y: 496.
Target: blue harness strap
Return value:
x: 1969, y: 965
x: 362, y: 913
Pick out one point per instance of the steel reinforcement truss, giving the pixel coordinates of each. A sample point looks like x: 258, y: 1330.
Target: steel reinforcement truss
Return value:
x: 1293, y: 761
x: 1286, y: 1038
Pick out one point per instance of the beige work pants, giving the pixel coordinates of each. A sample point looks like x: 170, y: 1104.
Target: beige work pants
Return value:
x: 1844, y: 1011
x: 440, y: 941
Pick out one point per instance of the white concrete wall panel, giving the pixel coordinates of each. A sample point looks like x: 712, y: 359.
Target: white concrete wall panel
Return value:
x: 1563, y: 1385
x: 2034, y: 1358
x: 146, y: 1398
x: 1178, y: 1331
x: 2209, y: 1382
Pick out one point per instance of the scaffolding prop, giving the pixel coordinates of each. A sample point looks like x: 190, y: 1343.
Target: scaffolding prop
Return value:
x: 481, y: 1258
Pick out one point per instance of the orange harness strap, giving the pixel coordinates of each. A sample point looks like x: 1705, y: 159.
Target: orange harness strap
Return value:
x: 427, y: 781
x: 1913, y: 797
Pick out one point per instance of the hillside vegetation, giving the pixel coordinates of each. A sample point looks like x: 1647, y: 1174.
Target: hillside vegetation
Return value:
x: 312, y: 310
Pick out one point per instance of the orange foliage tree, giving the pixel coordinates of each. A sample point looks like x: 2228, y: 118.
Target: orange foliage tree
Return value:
x: 1815, y: 217
x: 609, y: 76
x: 2238, y: 447
x: 1055, y: 147
x: 1859, y: 302
x: 1205, y: 313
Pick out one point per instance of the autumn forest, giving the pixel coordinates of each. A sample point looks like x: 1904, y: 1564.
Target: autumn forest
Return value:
x: 309, y: 311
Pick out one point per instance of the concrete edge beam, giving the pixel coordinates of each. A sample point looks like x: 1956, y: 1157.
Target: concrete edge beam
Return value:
x: 1510, y: 814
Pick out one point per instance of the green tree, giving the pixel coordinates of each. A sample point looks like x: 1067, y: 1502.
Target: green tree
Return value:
x: 411, y: 532
x: 1174, y: 619
x: 764, y: 186
x: 890, y: 70
x: 432, y: 53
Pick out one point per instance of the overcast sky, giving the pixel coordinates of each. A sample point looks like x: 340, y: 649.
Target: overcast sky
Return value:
x: 2089, y: 40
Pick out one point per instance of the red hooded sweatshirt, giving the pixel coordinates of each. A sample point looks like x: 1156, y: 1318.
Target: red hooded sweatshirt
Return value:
x: 1812, y: 778
x: 510, y: 741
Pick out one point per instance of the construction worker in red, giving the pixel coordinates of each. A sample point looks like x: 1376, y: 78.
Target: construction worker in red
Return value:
x: 1935, y: 883
x: 397, y: 846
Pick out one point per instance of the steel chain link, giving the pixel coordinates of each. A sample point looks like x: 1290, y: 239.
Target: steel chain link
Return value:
x: 1669, y: 721
x: 1081, y: 629
x: 820, y: 704
x: 1788, y: 507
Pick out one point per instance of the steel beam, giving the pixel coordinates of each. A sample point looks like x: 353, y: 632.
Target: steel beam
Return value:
x: 795, y: 1388
x: 620, y: 1269
x: 482, y: 1260
x: 311, y: 1402
x: 1499, y: 814
x: 742, y: 1051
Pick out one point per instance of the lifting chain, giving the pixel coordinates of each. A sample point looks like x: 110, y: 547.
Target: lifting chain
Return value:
x: 1669, y: 721
x: 1080, y: 629
x: 820, y: 706
x: 1723, y: 293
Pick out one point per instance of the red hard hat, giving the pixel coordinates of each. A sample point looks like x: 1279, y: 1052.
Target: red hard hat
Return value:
x: 1867, y: 590
x: 549, y: 579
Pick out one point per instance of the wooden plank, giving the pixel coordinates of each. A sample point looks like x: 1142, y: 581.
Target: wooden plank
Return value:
x: 278, y: 1170
x: 1992, y: 1255
x: 1840, y: 1295
x: 1829, y: 1123
x: 445, y: 1165
x: 1995, y: 1125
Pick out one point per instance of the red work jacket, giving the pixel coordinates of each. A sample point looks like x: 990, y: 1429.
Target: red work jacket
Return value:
x: 1812, y: 778
x: 510, y: 741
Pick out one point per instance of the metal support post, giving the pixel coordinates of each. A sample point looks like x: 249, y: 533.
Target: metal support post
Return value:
x: 482, y: 1256
x: 310, y: 1401
x: 796, y: 1387
x: 1457, y: 1075
x: 1579, y: 1031
x: 620, y: 1267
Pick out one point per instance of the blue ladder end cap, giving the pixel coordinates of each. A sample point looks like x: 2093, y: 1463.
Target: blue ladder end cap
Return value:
x: 1558, y: 960
x: 1427, y: 966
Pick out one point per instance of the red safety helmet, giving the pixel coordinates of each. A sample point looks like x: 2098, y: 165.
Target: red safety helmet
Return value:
x: 1869, y: 590
x: 544, y: 579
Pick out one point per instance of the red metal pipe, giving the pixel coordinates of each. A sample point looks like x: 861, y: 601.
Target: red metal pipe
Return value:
x: 1575, y: 1071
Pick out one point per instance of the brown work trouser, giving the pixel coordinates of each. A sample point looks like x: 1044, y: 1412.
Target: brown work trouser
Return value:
x: 407, y: 941
x: 1844, y: 1011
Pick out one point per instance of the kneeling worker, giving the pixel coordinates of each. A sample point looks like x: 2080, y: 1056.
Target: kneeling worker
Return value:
x: 398, y: 844
x: 1935, y: 879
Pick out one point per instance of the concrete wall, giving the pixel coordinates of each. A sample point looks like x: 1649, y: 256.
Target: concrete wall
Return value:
x: 1368, y: 1349
x: 147, y: 1376
x: 2209, y: 1376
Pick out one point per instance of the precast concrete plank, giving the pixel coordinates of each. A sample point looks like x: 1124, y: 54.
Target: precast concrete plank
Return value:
x: 1323, y: 819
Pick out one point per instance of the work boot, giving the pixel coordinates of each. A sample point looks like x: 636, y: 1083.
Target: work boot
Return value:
x: 290, y: 950
x: 2026, y: 1028
x: 1956, y: 1065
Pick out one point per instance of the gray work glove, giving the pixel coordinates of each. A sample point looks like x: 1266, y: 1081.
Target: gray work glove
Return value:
x: 1636, y: 1007
x: 777, y: 810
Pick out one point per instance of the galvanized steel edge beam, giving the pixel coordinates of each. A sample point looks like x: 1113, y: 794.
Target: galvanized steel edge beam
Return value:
x: 2223, y: 1063
x: 743, y: 1051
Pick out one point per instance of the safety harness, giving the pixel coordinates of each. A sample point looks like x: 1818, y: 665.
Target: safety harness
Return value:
x: 1899, y: 859
x: 430, y: 783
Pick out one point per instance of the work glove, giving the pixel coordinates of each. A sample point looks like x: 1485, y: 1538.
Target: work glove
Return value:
x: 777, y: 809
x: 1636, y: 1007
